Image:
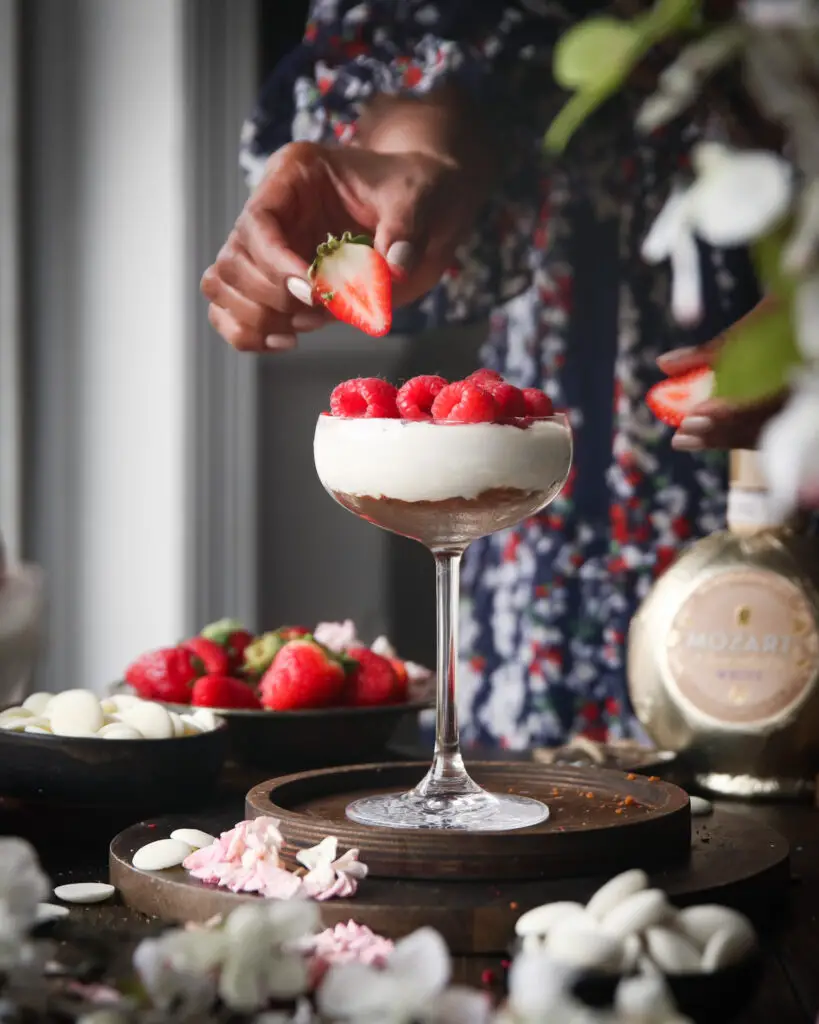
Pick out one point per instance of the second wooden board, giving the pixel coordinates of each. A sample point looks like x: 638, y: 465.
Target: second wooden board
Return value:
x: 600, y: 822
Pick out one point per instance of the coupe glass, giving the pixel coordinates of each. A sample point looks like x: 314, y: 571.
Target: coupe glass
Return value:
x: 444, y: 485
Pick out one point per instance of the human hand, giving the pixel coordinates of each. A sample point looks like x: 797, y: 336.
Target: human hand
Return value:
x: 417, y: 208
x: 716, y: 423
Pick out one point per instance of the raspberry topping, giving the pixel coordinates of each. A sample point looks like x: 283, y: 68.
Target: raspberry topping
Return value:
x: 484, y: 376
x: 415, y: 398
x: 537, y: 402
x: 509, y: 399
x: 464, y: 402
x: 364, y: 398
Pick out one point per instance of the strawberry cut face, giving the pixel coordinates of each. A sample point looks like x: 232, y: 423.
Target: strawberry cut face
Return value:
x: 354, y: 282
x: 673, y: 399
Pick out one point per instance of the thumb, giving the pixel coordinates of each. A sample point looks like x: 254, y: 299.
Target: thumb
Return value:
x: 401, y: 234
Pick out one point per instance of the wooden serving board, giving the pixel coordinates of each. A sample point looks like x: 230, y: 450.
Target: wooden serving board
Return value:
x: 600, y: 822
x: 734, y: 861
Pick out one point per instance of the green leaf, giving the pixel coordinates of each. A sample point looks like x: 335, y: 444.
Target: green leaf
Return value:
x: 758, y: 354
x: 596, y: 56
x: 586, y: 52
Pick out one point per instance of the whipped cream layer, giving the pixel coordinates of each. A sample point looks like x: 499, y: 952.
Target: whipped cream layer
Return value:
x: 425, y: 461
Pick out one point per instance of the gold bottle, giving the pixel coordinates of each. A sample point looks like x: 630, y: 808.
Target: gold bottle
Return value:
x: 723, y: 658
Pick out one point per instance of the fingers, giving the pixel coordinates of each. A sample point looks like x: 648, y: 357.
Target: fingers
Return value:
x: 683, y: 360
x: 244, y: 338
x: 719, y: 424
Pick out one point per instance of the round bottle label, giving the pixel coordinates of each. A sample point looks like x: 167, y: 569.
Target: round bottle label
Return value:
x: 743, y: 648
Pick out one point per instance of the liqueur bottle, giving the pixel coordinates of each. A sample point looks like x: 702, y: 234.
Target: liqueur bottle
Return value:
x: 723, y: 658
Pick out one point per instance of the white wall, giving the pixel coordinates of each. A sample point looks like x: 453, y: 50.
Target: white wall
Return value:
x: 108, y: 264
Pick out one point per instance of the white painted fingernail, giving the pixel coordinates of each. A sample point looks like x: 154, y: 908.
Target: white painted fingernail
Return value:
x: 687, y: 443
x: 676, y: 353
x: 300, y: 290
x: 696, y: 425
x: 401, y: 255
x: 280, y: 341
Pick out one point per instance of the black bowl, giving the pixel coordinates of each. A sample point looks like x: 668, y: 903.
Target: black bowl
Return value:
x: 290, y: 741
x: 146, y: 777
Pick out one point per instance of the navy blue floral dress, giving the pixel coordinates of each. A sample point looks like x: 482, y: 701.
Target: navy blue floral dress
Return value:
x: 554, y: 265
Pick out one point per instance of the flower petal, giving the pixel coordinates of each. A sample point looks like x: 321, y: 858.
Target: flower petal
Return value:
x: 670, y: 223
x: 737, y: 200
x: 789, y: 448
x: 355, y: 992
x: 538, y: 985
x: 324, y: 852
x: 422, y: 963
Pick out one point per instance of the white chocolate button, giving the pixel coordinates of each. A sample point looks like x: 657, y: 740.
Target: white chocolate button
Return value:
x: 120, y: 701
x: 75, y: 713
x: 728, y: 946
x: 151, y: 719
x: 671, y: 952
x: 539, y: 920
x: 533, y: 943
x: 84, y: 892
x: 37, y: 730
x: 16, y: 724
x: 194, y: 837
x: 615, y: 891
x: 192, y: 727
x: 700, y: 924
x: 205, y: 719
x: 17, y: 712
x: 37, y: 703
x: 119, y: 731
x: 636, y: 913
x: 645, y: 998
x: 632, y: 950
x: 50, y: 912
x: 177, y: 724
x: 700, y: 807
x: 581, y: 945
x: 160, y: 855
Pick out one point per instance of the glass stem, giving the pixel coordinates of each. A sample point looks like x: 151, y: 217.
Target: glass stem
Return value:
x: 447, y: 777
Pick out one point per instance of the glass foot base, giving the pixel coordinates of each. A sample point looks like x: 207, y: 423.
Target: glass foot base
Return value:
x: 473, y: 812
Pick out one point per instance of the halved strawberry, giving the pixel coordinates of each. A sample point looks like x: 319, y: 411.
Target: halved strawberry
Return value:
x: 354, y: 282
x: 672, y: 400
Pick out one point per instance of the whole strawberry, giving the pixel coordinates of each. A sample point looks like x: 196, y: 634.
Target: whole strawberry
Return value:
x: 373, y: 681
x: 232, y: 635
x: 221, y: 691
x: 215, y: 659
x: 166, y: 674
x: 303, y: 675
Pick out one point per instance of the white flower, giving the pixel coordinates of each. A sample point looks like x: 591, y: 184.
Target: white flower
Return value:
x: 329, y: 876
x: 381, y: 645
x: 22, y: 886
x: 259, y: 964
x: 336, y: 636
x: 411, y: 988
x: 247, y: 963
x: 789, y: 448
x: 736, y: 198
x: 539, y: 989
x: 179, y: 969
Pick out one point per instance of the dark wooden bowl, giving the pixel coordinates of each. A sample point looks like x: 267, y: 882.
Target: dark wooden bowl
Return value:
x: 291, y: 741
x: 147, y: 777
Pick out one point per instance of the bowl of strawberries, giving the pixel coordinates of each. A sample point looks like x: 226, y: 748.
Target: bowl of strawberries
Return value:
x: 294, y: 698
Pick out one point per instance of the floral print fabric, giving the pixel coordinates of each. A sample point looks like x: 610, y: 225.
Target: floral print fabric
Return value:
x: 546, y: 606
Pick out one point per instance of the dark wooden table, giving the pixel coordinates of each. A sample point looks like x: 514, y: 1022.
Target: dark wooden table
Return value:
x: 74, y: 850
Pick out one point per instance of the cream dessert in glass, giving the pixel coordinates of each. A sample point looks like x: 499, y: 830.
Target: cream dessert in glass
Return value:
x: 443, y: 464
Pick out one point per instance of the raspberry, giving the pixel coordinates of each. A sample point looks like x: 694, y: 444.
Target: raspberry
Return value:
x: 484, y: 376
x: 509, y: 399
x: 463, y: 402
x: 537, y: 402
x: 364, y: 398
x: 415, y: 398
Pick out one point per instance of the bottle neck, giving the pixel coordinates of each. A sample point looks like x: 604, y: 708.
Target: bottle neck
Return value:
x: 749, y: 506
